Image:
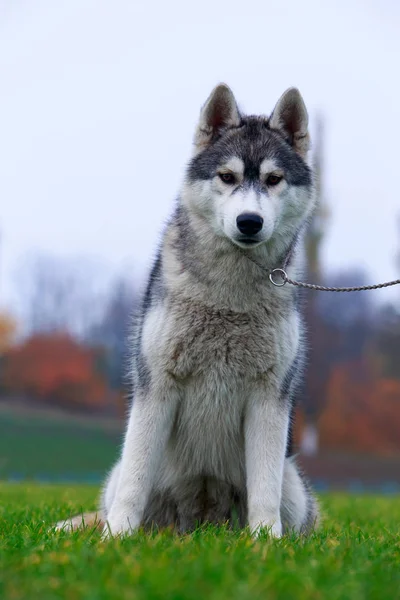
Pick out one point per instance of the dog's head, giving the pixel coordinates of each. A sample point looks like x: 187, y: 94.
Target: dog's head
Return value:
x: 249, y: 177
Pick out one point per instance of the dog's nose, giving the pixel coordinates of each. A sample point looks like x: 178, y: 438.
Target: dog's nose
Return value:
x: 249, y: 223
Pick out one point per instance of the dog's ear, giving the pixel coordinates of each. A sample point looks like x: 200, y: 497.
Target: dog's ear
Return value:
x: 291, y: 119
x: 219, y: 112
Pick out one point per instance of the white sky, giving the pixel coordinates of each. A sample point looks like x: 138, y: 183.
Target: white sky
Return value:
x: 99, y: 100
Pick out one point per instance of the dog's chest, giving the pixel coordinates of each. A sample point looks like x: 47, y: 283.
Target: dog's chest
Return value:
x: 216, y: 358
x: 204, y: 340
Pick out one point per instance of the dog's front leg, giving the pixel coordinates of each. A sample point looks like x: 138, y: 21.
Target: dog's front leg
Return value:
x: 149, y: 428
x: 266, y: 426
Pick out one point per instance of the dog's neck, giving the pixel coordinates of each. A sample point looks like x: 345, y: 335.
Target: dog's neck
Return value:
x: 203, y: 263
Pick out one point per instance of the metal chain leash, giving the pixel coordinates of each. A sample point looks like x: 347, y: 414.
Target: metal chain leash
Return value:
x: 284, y: 279
x: 322, y: 288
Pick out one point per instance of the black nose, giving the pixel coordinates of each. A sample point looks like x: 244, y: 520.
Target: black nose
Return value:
x: 249, y: 223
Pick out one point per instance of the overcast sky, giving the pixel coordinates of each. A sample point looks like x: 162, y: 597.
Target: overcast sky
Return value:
x: 99, y: 100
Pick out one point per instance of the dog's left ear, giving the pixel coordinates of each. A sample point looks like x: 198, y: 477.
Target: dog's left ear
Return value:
x: 291, y: 119
x: 219, y: 112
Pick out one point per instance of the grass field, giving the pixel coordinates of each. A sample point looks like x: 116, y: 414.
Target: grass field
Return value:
x: 48, y: 447
x: 355, y: 556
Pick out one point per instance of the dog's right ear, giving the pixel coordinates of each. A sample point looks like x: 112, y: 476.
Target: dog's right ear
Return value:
x: 219, y: 112
x: 291, y: 119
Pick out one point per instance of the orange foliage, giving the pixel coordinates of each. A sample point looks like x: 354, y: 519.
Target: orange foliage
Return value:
x: 362, y: 412
x: 56, y: 368
x: 7, y: 332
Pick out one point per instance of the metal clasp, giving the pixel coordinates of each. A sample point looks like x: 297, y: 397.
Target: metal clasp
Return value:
x: 282, y: 273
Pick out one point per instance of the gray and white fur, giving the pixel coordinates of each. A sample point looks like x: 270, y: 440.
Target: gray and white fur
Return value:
x: 217, y: 348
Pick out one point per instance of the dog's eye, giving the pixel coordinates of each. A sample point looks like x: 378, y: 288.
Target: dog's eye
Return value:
x: 273, y: 179
x: 228, y: 178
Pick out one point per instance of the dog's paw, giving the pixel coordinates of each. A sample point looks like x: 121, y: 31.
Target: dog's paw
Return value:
x: 273, y: 528
x: 66, y: 525
x: 84, y: 521
x: 120, y: 524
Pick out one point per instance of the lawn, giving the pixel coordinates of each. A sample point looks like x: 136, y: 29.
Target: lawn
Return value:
x: 57, y: 447
x: 355, y: 555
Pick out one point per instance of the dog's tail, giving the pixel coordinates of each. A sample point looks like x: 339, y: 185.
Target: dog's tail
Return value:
x: 91, y: 520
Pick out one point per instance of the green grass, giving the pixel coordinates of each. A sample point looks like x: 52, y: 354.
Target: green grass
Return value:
x: 355, y: 555
x: 44, y: 446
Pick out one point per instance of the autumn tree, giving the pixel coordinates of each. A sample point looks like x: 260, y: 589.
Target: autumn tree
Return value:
x: 8, y: 330
x: 338, y: 325
x: 7, y: 337
x: 112, y: 332
x: 56, y: 369
x: 362, y: 414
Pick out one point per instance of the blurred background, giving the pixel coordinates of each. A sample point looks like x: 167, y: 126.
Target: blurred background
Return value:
x: 98, y: 106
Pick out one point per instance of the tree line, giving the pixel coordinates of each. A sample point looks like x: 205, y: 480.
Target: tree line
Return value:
x: 74, y: 351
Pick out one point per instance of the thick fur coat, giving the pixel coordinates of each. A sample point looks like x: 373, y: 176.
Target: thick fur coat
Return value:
x: 217, y: 349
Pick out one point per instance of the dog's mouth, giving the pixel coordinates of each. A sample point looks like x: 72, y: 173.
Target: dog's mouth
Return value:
x: 247, y: 242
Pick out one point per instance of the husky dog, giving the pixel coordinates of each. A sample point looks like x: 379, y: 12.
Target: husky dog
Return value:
x: 217, y: 348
